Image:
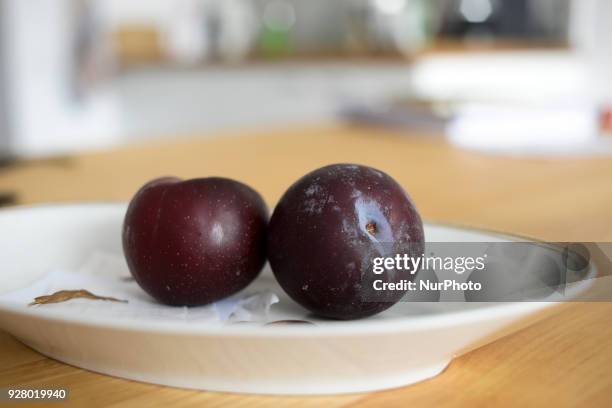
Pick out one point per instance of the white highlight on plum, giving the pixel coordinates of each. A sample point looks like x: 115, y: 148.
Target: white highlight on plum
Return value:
x: 217, y: 233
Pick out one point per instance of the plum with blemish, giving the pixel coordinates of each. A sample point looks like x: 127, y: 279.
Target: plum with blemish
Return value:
x: 194, y: 242
x: 327, y: 230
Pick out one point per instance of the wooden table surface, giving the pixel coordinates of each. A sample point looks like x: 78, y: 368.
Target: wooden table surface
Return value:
x: 563, y: 360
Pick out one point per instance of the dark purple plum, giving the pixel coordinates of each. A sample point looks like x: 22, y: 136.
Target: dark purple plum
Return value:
x: 194, y: 242
x: 327, y: 229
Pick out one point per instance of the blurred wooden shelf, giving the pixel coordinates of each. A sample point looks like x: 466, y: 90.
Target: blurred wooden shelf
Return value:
x: 142, y: 46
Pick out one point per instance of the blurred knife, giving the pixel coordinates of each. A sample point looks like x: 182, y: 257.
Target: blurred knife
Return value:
x: 414, y: 114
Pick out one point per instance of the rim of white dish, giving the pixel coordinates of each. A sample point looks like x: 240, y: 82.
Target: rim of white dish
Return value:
x: 330, y: 328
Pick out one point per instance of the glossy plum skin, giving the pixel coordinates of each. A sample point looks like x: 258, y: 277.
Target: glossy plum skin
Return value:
x: 325, y: 232
x: 194, y: 242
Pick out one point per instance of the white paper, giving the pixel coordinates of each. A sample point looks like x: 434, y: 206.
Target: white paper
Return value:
x: 105, y: 274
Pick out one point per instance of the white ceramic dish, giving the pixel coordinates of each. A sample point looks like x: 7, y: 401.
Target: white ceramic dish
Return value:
x: 406, y: 344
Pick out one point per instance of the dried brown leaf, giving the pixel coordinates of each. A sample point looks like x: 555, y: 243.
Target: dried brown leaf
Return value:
x: 65, y: 295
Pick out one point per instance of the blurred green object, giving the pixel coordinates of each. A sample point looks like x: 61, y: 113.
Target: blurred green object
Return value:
x: 347, y: 27
x: 274, y: 43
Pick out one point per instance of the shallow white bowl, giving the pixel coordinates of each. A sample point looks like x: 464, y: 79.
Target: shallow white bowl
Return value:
x: 408, y: 343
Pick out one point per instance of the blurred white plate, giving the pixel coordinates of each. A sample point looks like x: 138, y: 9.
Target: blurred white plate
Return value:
x: 408, y: 343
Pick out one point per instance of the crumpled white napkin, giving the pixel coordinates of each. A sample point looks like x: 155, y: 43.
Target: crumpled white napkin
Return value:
x: 106, y: 274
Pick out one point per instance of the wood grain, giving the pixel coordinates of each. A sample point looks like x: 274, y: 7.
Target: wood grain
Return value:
x: 563, y: 360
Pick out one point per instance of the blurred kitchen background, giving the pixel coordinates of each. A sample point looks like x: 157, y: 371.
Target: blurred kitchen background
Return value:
x: 84, y: 74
